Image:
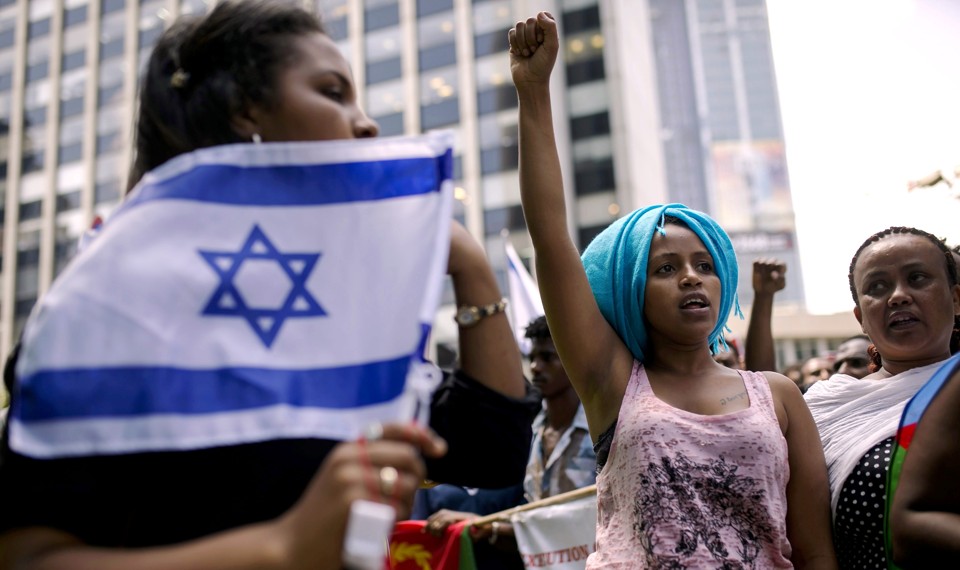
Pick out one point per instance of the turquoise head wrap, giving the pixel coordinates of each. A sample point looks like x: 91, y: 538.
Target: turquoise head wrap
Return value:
x: 616, y: 265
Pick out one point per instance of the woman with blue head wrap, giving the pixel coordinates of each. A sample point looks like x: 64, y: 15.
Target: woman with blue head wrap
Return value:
x: 616, y: 265
x: 699, y: 465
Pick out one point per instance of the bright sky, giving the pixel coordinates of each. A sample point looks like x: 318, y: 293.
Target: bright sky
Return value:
x: 870, y: 97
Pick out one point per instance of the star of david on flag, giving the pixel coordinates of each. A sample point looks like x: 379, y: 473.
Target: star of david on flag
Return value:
x: 244, y: 293
x: 228, y: 300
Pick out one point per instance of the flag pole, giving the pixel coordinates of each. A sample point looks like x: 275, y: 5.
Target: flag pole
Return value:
x: 548, y: 502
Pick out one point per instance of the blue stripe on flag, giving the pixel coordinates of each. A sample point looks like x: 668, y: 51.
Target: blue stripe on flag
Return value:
x: 140, y: 391
x: 302, y: 185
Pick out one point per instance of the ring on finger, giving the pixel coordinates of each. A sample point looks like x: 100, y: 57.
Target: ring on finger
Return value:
x: 388, y: 480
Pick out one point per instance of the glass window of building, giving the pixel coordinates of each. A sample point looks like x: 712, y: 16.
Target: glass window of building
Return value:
x: 491, y: 22
x: 581, y: 19
x: 107, y: 191
x: 385, y: 98
x: 428, y: 7
x: 64, y: 250
x: 500, y: 189
x: 594, y: 176
x: 437, y: 56
x: 112, y: 27
x: 194, y: 6
x: 495, y: 90
x: 583, y: 46
x: 382, y: 44
x: 38, y: 59
x: 8, y: 29
x: 390, y: 125
x: 38, y: 28
x: 69, y: 201
x: 73, y: 60
x: 28, y: 277
x: 30, y: 210
x: 585, y: 71
x: 153, y: 14
x: 597, y: 148
x: 109, y: 120
x: 441, y: 114
x: 587, y: 99
x: 497, y: 130
x: 493, y: 16
x: 439, y: 102
x: 71, y: 107
x: 590, y: 125
x: 6, y: 71
x: 438, y: 85
x: 35, y: 116
x: 383, y: 56
x: 379, y: 14
x: 74, y: 16
x: 28, y: 256
x: 75, y: 38
x: 334, y: 14
x: 498, y: 143
x: 110, y: 85
x: 507, y: 217
x: 493, y: 72
x: 110, y: 6
x: 33, y: 145
x: 435, y: 40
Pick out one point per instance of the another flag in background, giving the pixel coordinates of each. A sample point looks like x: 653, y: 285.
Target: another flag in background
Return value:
x: 244, y: 293
x: 525, y: 304
x: 412, y: 548
x: 912, y: 414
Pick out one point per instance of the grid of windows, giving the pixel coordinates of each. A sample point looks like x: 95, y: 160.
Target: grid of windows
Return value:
x: 437, y: 94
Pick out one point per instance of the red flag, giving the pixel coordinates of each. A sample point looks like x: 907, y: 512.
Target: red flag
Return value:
x: 412, y: 548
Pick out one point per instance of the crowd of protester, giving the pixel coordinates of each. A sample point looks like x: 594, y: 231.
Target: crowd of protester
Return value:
x: 703, y: 455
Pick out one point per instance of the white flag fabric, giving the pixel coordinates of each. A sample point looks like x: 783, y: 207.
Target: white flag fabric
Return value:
x: 244, y: 293
x: 560, y: 537
x: 525, y: 303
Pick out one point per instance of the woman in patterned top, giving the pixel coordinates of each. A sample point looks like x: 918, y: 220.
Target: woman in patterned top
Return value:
x: 705, y: 466
x: 904, y: 286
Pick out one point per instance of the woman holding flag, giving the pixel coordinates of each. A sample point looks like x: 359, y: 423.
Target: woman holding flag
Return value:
x: 702, y: 466
x: 250, y: 71
x: 905, y: 289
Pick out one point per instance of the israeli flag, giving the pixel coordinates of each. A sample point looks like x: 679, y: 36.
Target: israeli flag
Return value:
x: 244, y: 293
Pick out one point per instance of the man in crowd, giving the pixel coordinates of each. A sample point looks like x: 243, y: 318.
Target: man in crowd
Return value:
x: 852, y: 358
x: 561, y: 454
x: 815, y: 369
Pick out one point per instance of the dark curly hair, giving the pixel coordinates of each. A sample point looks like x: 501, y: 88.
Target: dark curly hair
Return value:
x: 537, y: 329
x: 952, y: 275
x: 225, y: 61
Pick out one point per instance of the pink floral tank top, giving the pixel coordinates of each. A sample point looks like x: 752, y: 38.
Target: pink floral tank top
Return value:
x: 683, y: 490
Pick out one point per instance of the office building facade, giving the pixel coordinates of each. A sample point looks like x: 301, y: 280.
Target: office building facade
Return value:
x: 644, y: 114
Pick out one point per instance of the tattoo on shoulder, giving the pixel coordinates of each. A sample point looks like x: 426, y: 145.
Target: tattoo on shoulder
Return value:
x: 734, y: 398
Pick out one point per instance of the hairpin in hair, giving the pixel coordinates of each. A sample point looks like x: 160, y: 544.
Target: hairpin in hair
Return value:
x: 179, y: 78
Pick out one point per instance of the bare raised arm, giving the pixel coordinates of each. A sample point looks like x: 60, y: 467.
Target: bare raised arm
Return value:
x: 769, y: 276
x: 488, y: 350
x: 596, y: 360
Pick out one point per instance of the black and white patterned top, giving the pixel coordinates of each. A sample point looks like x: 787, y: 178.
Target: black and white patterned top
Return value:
x: 858, y: 531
